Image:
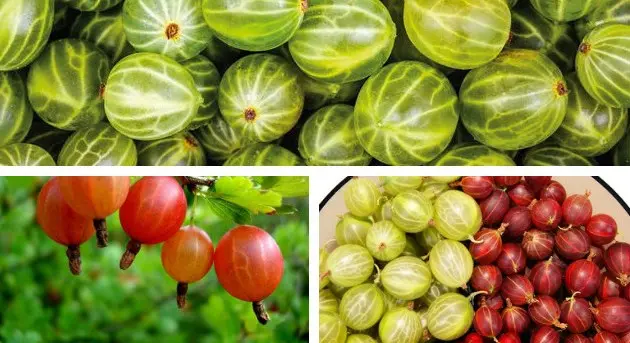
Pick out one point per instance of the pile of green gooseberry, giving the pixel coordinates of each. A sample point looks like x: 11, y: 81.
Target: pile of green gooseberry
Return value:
x: 398, y: 271
x: 312, y: 82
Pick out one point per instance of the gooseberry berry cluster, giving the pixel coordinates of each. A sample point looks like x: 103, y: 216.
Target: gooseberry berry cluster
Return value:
x: 257, y: 82
x: 538, y: 263
x: 247, y: 260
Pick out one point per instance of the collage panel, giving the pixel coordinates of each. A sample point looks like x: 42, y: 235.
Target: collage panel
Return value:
x: 154, y: 259
x: 408, y: 259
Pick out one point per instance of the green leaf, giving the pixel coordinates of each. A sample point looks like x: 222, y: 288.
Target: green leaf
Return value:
x: 286, y: 210
x: 291, y: 186
x: 229, y: 211
x: 267, y: 182
x: 240, y: 190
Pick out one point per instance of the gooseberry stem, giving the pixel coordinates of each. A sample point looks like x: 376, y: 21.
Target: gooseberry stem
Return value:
x: 100, y: 225
x: 261, y: 313
x: 133, y: 247
x: 201, y: 181
x: 182, y: 289
x: 74, y: 259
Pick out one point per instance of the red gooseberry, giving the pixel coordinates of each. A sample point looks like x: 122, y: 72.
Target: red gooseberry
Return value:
x: 537, y: 182
x: 546, y: 311
x: 537, y: 244
x: 609, y: 287
x: 487, y: 322
x: 486, y: 278
x: 506, y: 181
x: 487, y: 245
x: 554, y: 190
x: 546, y: 277
x: 605, y: 337
x: 518, y: 289
x: 546, y: 214
x: 521, y: 194
x: 596, y: 254
x: 602, y: 229
x: 153, y: 212
x: 512, y: 259
x: 517, y: 220
x: 249, y: 265
x: 572, y: 243
x: 494, y: 207
x: 613, y: 314
x: 478, y: 187
x: 187, y: 258
x: 582, y: 276
x: 62, y: 224
x: 509, y: 337
x: 545, y: 334
x: 515, y: 319
x: 576, y: 313
x: 495, y: 302
x: 577, y: 338
x: 95, y: 197
x: 625, y: 338
x: 473, y: 337
x: 617, y: 260
x: 626, y: 292
x: 577, y: 209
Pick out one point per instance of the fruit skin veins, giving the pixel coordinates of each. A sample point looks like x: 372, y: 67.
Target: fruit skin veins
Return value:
x: 94, y: 196
x: 188, y: 255
x: 17, y: 114
x: 514, y: 102
x: 564, y: 10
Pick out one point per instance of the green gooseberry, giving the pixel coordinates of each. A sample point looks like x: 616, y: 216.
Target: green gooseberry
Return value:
x: 91, y: 5
x: 550, y: 155
x: 353, y: 41
x: 406, y: 278
x: 406, y: 114
x: 391, y: 302
x: 563, y: 10
x: 173, y: 28
x: 450, y: 316
x: 431, y: 189
x: 24, y: 31
x: 260, y: 97
x: 459, y: 34
x: 385, y: 241
x: 349, y: 265
x: 66, y: 84
x: 218, y: 139
x: 150, y: 96
x: 514, y: 102
x: 428, y: 238
x: 104, y: 30
x: 384, y: 211
x: 254, y: 25
x: 398, y: 184
x: 451, y: 263
x: 351, y: 229
x: 328, y: 301
x: 444, y: 178
x: 221, y: 54
x: 411, y: 211
x: 605, y: 12
x: 362, y: 306
x: 318, y: 94
x: 47, y: 137
x: 411, y: 247
x: 182, y: 149
x: 360, y: 338
x: 457, y: 215
x: 23, y: 154
x: 263, y: 154
x: 16, y: 115
x: 361, y: 196
x: 331, y: 328
x: 98, y: 145
x: 328, y: 138
x: 435, y: 291
x: 473, y: 154
x: 206, y: 77
x: 324, y: 278
x: 602, y: 65
x: 589, y: 128
x: 400, y: 325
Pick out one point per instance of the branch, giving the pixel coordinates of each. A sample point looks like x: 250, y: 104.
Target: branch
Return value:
x: 199, y: 181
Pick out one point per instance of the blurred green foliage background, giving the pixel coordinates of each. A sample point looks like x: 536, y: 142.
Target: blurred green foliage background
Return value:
x: 40, y: 301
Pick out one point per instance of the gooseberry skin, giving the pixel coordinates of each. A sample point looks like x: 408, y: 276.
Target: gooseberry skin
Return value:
x: 582, y: 276
x: 573, y: 243
x: 509, y: 337
x: 577, y: 338
x: 602, y: 229
x: 617, y: 260
x: 515, y: 319
x: 596, y: 254
x: 576, y: 313
x: 605, y: 337
x: 546, y: 214
x: 554, y: 190
x: 473, y: 337
x: 518, y: 220
x: 536, y: 183
x: 613, y: 314
x: 577, y: 209
x: 153, y: 212
x: 361, y: 197
x: 521, y: 194
x: 537, y: 244
x: 249, y: 265
x: 546, y: 277
x: 95, y: 197
x: 495, y: 302
x: 61, y: 223
x: 487, y: 245
x: 487, y: 322
x: 608, y: 287
x: 545, y: 334
x: 486, y: 278
x: 494, y: 207
x: 512, y: 259
x: 478, y: 187
x: 518, y: 289
x: 545, y: 311
x: 187, y: 257
x: 625, y: 338
x: 507, y: 181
